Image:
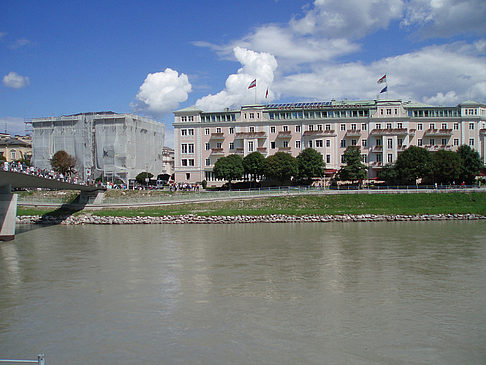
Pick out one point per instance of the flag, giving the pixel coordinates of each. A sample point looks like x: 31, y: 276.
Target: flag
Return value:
x: 384, y: 89
x: 266, y: 94
x: 382, y: 80
x: 252, y: 84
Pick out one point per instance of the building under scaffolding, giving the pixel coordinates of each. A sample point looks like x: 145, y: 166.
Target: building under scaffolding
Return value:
x: 116, y: 146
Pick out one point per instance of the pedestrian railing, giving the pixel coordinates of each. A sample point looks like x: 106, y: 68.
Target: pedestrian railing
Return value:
x: 41, y: 360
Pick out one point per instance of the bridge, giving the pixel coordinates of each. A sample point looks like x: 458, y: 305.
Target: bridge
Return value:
x: 14, y: 180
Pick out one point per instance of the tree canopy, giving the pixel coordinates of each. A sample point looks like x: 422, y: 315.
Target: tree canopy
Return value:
x: 281, y: 166
x: 354, y: 169
x: 446, y: 167
x: 63, y: 163
x: 412, y: 164
x: 140, y: 178
x: 310, y: 164
x: 253, y: 164
x: 471, y: 164
x: 229, y: 168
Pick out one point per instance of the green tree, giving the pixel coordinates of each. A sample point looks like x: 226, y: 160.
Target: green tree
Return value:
x: 281, y: 167
x: 63, y: 163
x: 229, y: 168
x: 140, y: 178
x: 412, y: 164
x: 311, y: 164
x: 253, y: 165
x: 389, y: 174
x: 446, y: 167
x: 471, y: 164
x: 354, y: 169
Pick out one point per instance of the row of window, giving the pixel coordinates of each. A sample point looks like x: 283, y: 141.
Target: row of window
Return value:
x: 420, y: 142
x: 433, y: 113
x: 318, y: 114
x: 219, y: 118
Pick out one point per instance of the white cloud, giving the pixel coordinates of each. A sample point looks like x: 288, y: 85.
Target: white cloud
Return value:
x: 19, y: 43
x: 12, y: 125
x: 16, y: 81
x: 161, y: 92
x: 259, y: 66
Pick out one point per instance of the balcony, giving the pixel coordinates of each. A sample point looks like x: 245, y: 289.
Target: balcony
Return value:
x: 284, y: 135
x: 438, y: 147
x: 262, y: 149
x: 217, y: 136
x: 411, y: 132
x: 284, y: 149
x: 353, y: 133
x: 217, y: 151
x: 376, y: 164
x: 324, y: 133
x: 377, y: 148
x: 482, y: 131
x: 438, y: 132
x: 390, y: 132
x: 245, y: 135
x: 240, y: 151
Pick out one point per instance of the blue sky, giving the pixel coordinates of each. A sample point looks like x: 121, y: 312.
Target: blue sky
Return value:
x: 154, y: 57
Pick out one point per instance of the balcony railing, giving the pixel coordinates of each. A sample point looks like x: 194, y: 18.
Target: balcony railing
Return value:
x: 284, y: 149
x: 217, y: 151
x: 320, y: 133
x: 390, y: 132
x: 262, y: 149
x: 244, y: 135
x: 438, y: 132
x: 353, y: 133
x: 217, y: 135
x: 482, y: 131
x: 377, y: 148
x: 284, y: 135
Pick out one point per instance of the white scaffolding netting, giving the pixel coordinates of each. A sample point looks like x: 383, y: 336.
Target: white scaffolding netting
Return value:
x: 117, y: 146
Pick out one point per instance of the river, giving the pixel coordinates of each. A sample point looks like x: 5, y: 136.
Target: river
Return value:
x: 336, y: 293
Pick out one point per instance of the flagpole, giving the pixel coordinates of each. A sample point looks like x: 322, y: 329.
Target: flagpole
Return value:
x: 256, y: 93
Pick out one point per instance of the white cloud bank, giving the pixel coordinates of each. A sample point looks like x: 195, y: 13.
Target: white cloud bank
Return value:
x: 15, y: 81
x: 161, y: 92
x: 260, y: 66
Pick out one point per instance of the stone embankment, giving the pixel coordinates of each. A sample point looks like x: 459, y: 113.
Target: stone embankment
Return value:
x: 273, y: 218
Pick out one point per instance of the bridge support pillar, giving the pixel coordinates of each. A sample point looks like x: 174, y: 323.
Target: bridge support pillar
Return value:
x: 91, y: 197
x: 8, y: 214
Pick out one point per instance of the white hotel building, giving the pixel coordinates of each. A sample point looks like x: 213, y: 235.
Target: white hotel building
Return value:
x: 381, y: 128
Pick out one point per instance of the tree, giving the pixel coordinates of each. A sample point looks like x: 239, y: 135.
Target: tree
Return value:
x: 388, y: 173
x: 63, y: 163
x: 253, y: 165
x: 281, y: 166
x: 229, y: 168
x: 354, y: 169
x: 412, y: 164
x: 471, y: 164
x: 140, y: 178
x: 310, y: 164
x: 446, y: 166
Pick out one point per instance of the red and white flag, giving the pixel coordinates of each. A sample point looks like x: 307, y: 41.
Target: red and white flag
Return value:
x: 382, y: 80
x: 266, y: 94
x: 252, y: 84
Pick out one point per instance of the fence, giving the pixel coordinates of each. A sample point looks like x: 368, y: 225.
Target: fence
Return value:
x: 41, y: 360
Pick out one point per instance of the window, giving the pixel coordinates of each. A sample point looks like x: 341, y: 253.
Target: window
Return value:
x: 218, y: 130
x: 388, y: 126
x: 285, y: 144
x: 400, y: 142
x: 190, y: 131
x: 319, y: 127
x: 444, y: 141
x: 328, y: 127
x: 250, y: 146
x: 328, y: 158
x: 456, y: 126
x: 184, y: 119
x: 419, y: 142
x: 444, y: 126
x: 471, y: 125
x: 184, y: 162
x: 456, y: 142
x: 191, y: 147
x: 343, y: 127
x: 363, y: 126
x: 183, y: 132
x: 343, y: 143
x: 390, y: 158
x: 190, y: 118
x: 378, y: 142
x: 285, y: 128
x: 310, y: 144
x: 208, y: 162
x: 388, y: 112
x: 342, y: 158
x: 184, y: 148
x: 389, y: 143
x: 354, y: 142
x: 272, y: 129
x: 364, y: 158
x: 297, y: 144
x: 219, y: 145
x: 231, y: 145
x: 310, y: 127
x: 231, y: 130
x: 252, y: 129
x: 399, y: 125
x: 319, y: 143
x: 471, y: 141
x: 188, y: 176
x: 419, y: 126
x: 206, y: 131
x: 353, y: 127
x: 363, y: 142
x: 191, y: 162
x: 207, y: 146
x: 432, y: 126
x: 378, y: 157
x: 252, y: 115
x: 328, y: 143
x: 432, y: 142
x: 297, y: 128
x: 272, y: 145
x: 378, y: 126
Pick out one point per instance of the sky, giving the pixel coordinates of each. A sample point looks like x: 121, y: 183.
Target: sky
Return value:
x: 154, y: 57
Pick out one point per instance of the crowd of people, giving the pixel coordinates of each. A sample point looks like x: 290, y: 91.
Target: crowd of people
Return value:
x: 173, y: 187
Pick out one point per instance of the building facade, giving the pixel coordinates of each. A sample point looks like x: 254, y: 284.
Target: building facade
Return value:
x: 115, y: 146
x: 381, y: 128
x: 15, y: 148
